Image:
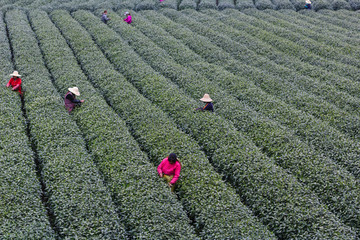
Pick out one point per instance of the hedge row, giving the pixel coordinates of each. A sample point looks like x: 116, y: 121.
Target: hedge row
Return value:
x: 184, y: 4
x: 293, y: 87
x: 244, y: 4
x: 283, y: 4
x: 233, y: 155
x: 263, y: 4
x: 214, y: 206
x: 319, y: 173
x: 242, y: 21
x: 266, y: 73
x: 265, y: 32
x: 205, y: 4
x: 263, y: 49
x: 326, y: 41
x: 226, y: 4
x: 320, y: 135
x: 22, y: 214
x: 327, y: 25
x: 145, y: 203
x: 346, y: 122
x: 81, y: 204
x: 315, y: 26
x: 344, y: 17
x: 299, y: 41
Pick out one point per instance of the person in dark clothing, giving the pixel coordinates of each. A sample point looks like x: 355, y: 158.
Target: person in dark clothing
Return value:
x: 104, y: 17
x: 208, y: 103
x: 70, y: 99
x: 308, y: 4
x: 15, y: 82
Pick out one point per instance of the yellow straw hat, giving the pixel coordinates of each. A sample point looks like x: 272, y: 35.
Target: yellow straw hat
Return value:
x: 206, y: 98
x: 75, y: 91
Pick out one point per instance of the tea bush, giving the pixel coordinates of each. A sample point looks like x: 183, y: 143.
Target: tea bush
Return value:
x: 145, y: 203
x: 266, y: 74
x: 203, y: 193
x: 22, y: 214
x: 81, y: 204
x: 318, y: 172
x: 319, y: 134
x: 207, y: 133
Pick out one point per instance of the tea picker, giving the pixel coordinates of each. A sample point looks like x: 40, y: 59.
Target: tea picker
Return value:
x: 70, y: 99
x: 208, y: 103
x: 104, y: 17
x: 169, y: 169
x: 128, y: 17
x: 15, y: 82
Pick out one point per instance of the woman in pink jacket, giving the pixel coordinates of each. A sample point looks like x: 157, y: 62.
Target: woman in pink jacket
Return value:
x: 128, y: 17
x: 169, y: 169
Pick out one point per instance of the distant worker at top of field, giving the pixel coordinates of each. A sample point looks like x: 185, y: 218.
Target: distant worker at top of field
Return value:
x: 15, y: 82
x: 169, y: 169
x: 104, y: 17
x: 128, y: 17
x: 308, y: 4
x: 208, y: 103
x: 70, y: 99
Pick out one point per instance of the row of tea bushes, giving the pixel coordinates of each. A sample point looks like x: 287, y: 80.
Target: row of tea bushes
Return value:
x: 320, y: 135
x: 215, y: 208
x: 81, y: 204
x: 322, y: 73
x: 233, y: 155
x: 266, y: 74
x: 22, y: 214
x: 145, y: 203
x: 337, y: 44
x: 303, y: 92
x: 241, y: 21
x: 321, y: 174
x: 324, y: 16
x: 314, y: 46
x: 315, y: 28
x: 319, y: 80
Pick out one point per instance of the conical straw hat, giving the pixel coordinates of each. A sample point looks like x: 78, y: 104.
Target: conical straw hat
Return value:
x: 206, y: 98
x: 75, y: 91
x: 15, y: 74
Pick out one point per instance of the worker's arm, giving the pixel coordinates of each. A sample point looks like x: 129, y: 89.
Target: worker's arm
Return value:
x: 16, y: 87
x: 177, y: 174
x: 159, y: 168
x: 8, y: 84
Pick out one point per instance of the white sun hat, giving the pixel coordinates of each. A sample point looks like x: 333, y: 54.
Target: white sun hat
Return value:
x: 126, y: 13
x: 15, y: 74
x: 75, y: 91
x: 206, y: 98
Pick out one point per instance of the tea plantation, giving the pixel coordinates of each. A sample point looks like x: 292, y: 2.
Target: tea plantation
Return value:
x: 279, y: 158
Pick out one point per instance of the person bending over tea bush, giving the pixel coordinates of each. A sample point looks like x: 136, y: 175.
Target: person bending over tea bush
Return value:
x: 169, y: 169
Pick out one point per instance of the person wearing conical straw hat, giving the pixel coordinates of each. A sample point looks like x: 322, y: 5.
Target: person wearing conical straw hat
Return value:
x: 15, y: 82
x: 70, y: 99
x: 128, y: 17
x: 169, y: 169
x: 208, y: 103
x: 308, y: 4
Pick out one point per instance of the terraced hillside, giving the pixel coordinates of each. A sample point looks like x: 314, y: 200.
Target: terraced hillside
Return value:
x: 278, y: 159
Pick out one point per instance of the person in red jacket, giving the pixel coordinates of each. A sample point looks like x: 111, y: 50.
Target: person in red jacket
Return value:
x: 169, y: 169
x: 15, y: 82
x: 70, y: 99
